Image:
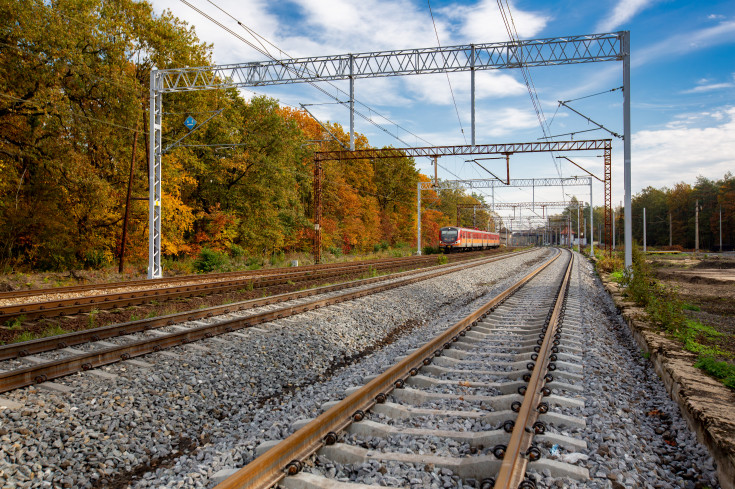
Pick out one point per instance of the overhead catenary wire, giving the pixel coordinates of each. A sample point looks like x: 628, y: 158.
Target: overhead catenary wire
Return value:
x: 264, y: 51
x: 530, y: 86
x: 451, y: 91
x: 267, y: 54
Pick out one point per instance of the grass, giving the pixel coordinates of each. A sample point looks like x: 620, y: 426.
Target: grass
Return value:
x: 29, y: 335
x: 92, y: 318
x: 442, y: 260
x: 666, y: 310
x: 722, y: 371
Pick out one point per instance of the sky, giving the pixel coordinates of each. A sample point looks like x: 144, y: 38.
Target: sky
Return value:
x: 682, y: 82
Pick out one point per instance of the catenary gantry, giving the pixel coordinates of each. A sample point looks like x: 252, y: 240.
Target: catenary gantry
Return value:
x: 471, y: 57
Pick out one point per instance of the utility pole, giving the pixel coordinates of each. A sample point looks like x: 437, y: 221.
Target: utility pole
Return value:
x: 696, y: 227
x: 720, y: 229
x: 644, y: 230
x: 613, y: 233
x: 670, y: 233
x: 579, y: 241
x: 418, y: 218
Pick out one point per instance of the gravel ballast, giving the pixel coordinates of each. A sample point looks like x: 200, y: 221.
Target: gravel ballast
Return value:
x: 179, y: 422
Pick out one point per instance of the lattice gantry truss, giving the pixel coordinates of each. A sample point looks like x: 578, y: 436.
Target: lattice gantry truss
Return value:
x: 471, y: 57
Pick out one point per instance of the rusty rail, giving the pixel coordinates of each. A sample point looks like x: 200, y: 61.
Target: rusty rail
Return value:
x: 63, y: 307
x: 513, y: 467
x: 15, y: 379
x: 287, y: 456
x: 14, y: 350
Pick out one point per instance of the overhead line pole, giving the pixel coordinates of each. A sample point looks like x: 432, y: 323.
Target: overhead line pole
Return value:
x: 625, y: 48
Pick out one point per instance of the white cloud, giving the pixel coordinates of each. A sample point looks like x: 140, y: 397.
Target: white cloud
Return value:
x: 678, y: 153
x: 434, y: 89
x: 709, y: 88
x: 622, y: 13
x: 483, y: 23
x: 715, y: 16
x: 504, y: 122
x: 685, y: 42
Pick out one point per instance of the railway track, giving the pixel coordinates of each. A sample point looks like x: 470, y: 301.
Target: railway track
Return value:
x: 474, y: 405
x: 44, y: 359
x: 34, y: 304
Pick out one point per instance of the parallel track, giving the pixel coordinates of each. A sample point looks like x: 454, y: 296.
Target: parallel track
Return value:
x: 156, y: 340
x: 166, y: 289
x: 322, y: 434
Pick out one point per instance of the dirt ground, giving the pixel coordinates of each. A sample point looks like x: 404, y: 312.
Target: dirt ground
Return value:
x: 706, y: 282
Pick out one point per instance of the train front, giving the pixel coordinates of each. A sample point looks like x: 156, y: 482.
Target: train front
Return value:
x: 449, y: 238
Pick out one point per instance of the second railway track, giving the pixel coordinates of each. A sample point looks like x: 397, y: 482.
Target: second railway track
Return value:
x: 141, y: 337
x: 65, y: 301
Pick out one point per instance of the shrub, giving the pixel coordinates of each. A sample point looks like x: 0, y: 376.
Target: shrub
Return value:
x: 97, y: 259
x: 236, y: 251
x: 442, y: 259
x: 609, y: 263
x: 209, y: 261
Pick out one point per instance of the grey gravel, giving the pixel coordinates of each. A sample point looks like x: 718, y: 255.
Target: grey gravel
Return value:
x: 208, y: 410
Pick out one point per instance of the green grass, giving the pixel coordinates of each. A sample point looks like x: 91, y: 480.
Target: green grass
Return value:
x: 15, y: 323
x: 722, y: 371
x: 442, y: 260
x: 617, y: 276
x: 29, y: 335
x: 666, y: 310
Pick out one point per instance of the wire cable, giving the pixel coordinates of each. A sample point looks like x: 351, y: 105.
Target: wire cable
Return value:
x: 439, y: 44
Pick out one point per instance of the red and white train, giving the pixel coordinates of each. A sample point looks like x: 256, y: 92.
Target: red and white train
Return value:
x: 463, y: 239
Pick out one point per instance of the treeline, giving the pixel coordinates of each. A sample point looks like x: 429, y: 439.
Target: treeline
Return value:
x: 679, y: 205
x: 74, y: 142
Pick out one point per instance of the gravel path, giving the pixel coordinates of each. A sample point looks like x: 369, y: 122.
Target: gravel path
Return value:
x: 179, y: 422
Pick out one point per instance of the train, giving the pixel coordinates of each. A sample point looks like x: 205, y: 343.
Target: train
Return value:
x: 454, y: 238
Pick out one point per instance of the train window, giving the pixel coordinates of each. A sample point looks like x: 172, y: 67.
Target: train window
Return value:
x: 449, y: 235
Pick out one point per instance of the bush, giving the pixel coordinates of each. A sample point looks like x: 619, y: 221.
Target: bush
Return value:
x: 431, y: 250
x: 236, y: 251
x: 277, y: 258
x: 97, y: 259
x: 610, y: 263
x: 442, y: 259
x: 209, y: 261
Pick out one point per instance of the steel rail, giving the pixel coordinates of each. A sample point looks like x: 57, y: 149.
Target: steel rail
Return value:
x: 16, y: 379
x: 76, y: 305
x: 513, y: 467
x: 286, y: 457
x: 40, y: 345
x: 147, y: 283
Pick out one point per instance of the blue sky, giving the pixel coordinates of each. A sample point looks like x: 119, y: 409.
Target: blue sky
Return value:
x: 682, y: 79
